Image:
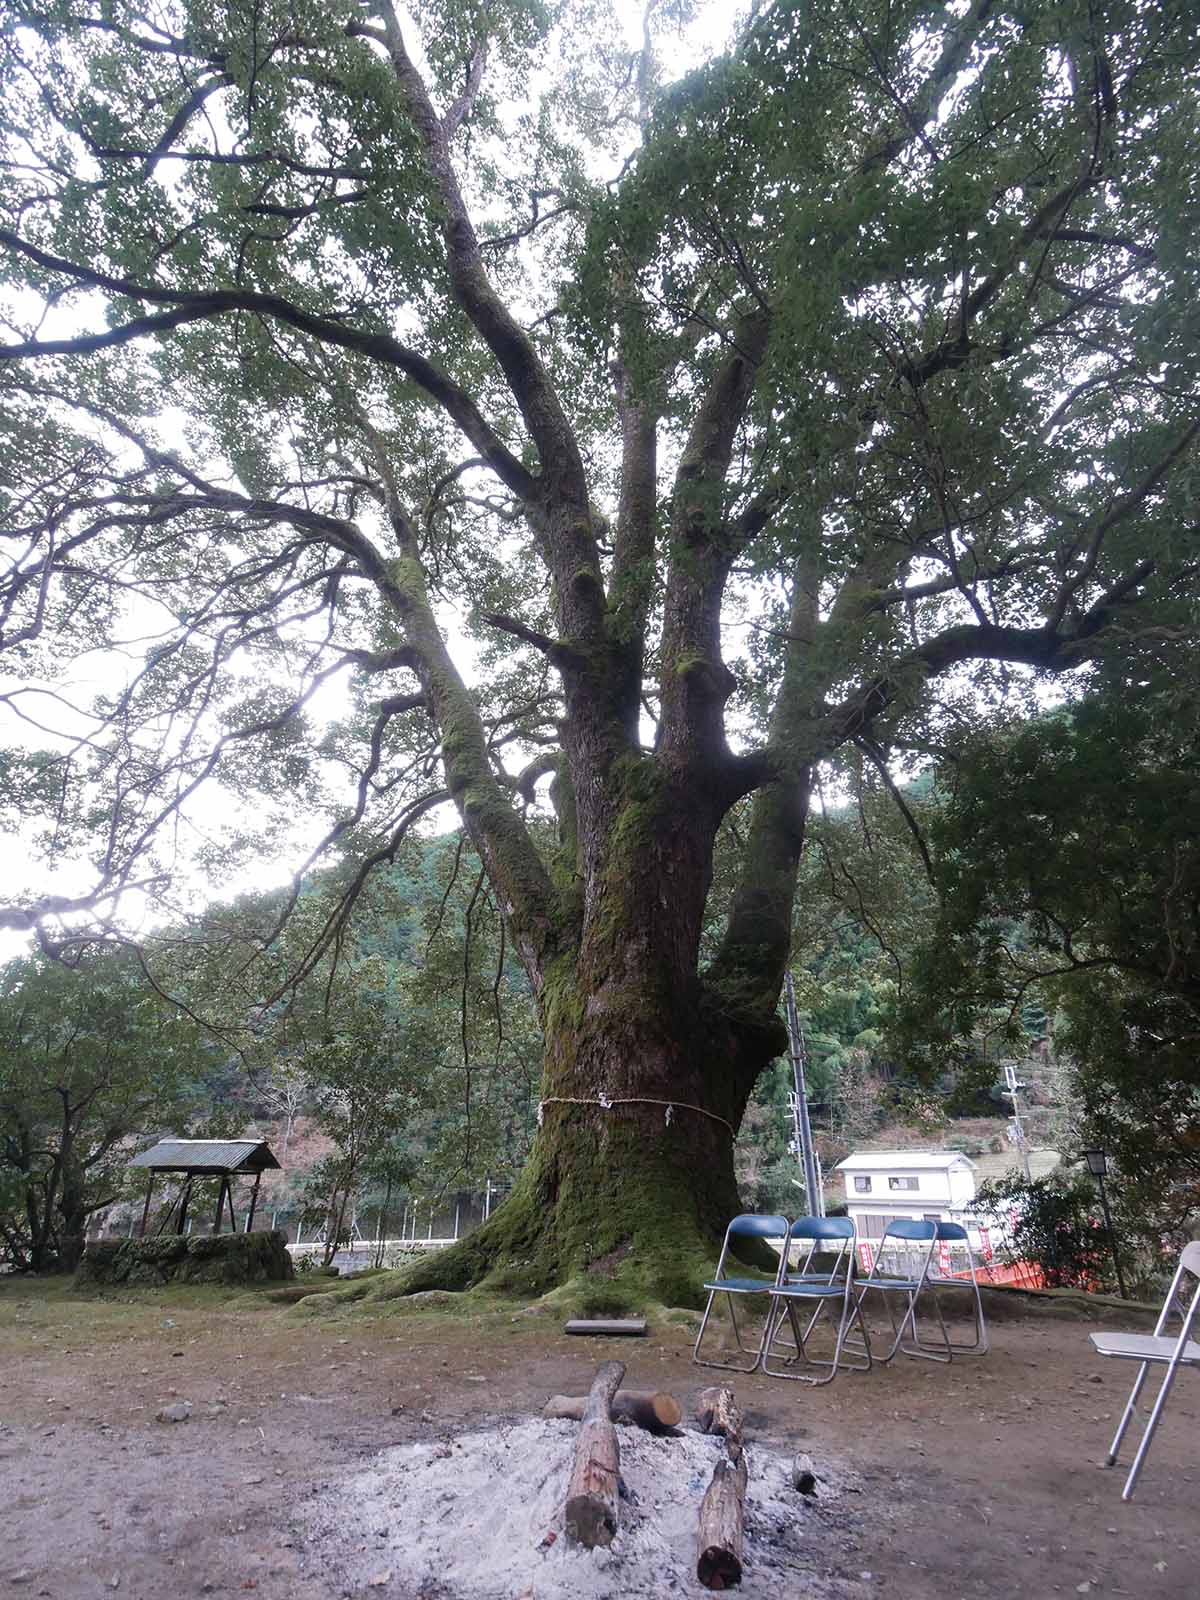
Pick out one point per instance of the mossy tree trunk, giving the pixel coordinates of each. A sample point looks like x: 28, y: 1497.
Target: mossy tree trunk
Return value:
x: 649, y: 1061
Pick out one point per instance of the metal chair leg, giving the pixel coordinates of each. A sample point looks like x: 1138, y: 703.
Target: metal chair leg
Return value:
x: 726, y: 1366
x: 1143, y: 1448
x: 1127, y: 1414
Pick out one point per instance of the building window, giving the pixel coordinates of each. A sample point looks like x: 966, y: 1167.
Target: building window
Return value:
x: 902, y: 1183
x: 862, y: 1185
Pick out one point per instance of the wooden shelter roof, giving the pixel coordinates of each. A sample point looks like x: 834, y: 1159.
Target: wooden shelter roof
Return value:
x: 207, y: 1155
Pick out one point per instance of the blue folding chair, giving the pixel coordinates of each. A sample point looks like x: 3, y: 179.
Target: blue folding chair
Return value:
x: 953, y: 1233
x: 812, y: 1292
x: 916, y: 1240
x: 744, y: 1227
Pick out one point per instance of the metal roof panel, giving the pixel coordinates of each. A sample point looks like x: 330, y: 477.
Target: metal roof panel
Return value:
x: 207, y: 1155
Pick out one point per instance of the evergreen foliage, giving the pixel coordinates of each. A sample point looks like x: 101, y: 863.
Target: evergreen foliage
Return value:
x: 1056, y: 1223
x: 91, y: 1060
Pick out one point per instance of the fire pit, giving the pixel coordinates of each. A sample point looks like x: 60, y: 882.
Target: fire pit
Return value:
x: 480, y: 1516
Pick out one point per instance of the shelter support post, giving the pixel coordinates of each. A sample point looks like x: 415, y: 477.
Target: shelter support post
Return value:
x: 184, y: 1199
x: 146, y: 1207
x: 253, y: 1202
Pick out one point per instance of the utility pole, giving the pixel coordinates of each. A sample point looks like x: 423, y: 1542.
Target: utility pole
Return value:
x: 1016, y: 1129
x: 798, y: 1101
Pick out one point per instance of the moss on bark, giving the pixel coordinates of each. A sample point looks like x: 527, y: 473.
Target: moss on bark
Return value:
x: 618, y: 1209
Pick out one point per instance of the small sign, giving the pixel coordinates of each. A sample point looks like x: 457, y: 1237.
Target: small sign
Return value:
x: 866, y: 1256
x: 985, y: 1244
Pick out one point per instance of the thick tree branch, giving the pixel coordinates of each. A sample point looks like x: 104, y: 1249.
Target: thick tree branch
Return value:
x: 631, y: 586
x: 695, y: 681
x: 458, y: 112
x: 748, y: 968
x: 555, y: 651
x: 542, y: 766
x: 1033, y: 647
x: 195, y: 307
x: 562, y: 465
x: 498, y: 833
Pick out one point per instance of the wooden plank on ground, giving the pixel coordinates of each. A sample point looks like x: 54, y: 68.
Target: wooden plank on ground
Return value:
x: 626, y: 1326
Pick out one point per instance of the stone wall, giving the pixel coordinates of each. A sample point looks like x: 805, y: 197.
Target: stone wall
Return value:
x: 231, y: 1258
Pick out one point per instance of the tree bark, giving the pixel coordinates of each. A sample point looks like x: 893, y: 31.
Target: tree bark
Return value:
x: 591, y: 1509
x: 647, y: 1071
x: 72, y: 1208
x: 717, y: 1412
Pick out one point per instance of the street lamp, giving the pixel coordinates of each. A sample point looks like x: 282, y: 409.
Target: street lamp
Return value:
x: 1097, y: 1161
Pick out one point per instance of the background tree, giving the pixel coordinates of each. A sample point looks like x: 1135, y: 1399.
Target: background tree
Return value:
x: 1068, y: 870
x: 729, y: 419
x: 1055, y: 1222
x: 91, y: 1062
x: 367, y: 1074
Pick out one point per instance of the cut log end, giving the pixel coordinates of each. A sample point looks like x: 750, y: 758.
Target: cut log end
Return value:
x: 590, y: 1521
x: 719, y: 1569
x: 656, y: 1412
x: 804, y: 1478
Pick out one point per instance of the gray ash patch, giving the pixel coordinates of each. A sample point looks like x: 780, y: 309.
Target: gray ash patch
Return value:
x: 480, y: 1517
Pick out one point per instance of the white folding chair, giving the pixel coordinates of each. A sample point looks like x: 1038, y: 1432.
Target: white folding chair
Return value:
x: 744, y: 1227
x: 1155, y: 1349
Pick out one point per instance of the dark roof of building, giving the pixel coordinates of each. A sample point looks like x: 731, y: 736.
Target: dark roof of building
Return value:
x: 207, y: 1155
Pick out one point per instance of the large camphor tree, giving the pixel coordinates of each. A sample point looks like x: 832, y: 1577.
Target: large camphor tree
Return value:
x: 625, y: 428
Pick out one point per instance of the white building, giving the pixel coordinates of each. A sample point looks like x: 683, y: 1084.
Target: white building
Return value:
x: 883, y: 1186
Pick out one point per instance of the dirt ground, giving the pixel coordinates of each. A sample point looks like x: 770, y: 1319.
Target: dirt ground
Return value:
x: 980, y: 1481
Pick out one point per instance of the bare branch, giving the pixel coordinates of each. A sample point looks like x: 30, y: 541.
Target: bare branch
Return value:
x: 462, y: 107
